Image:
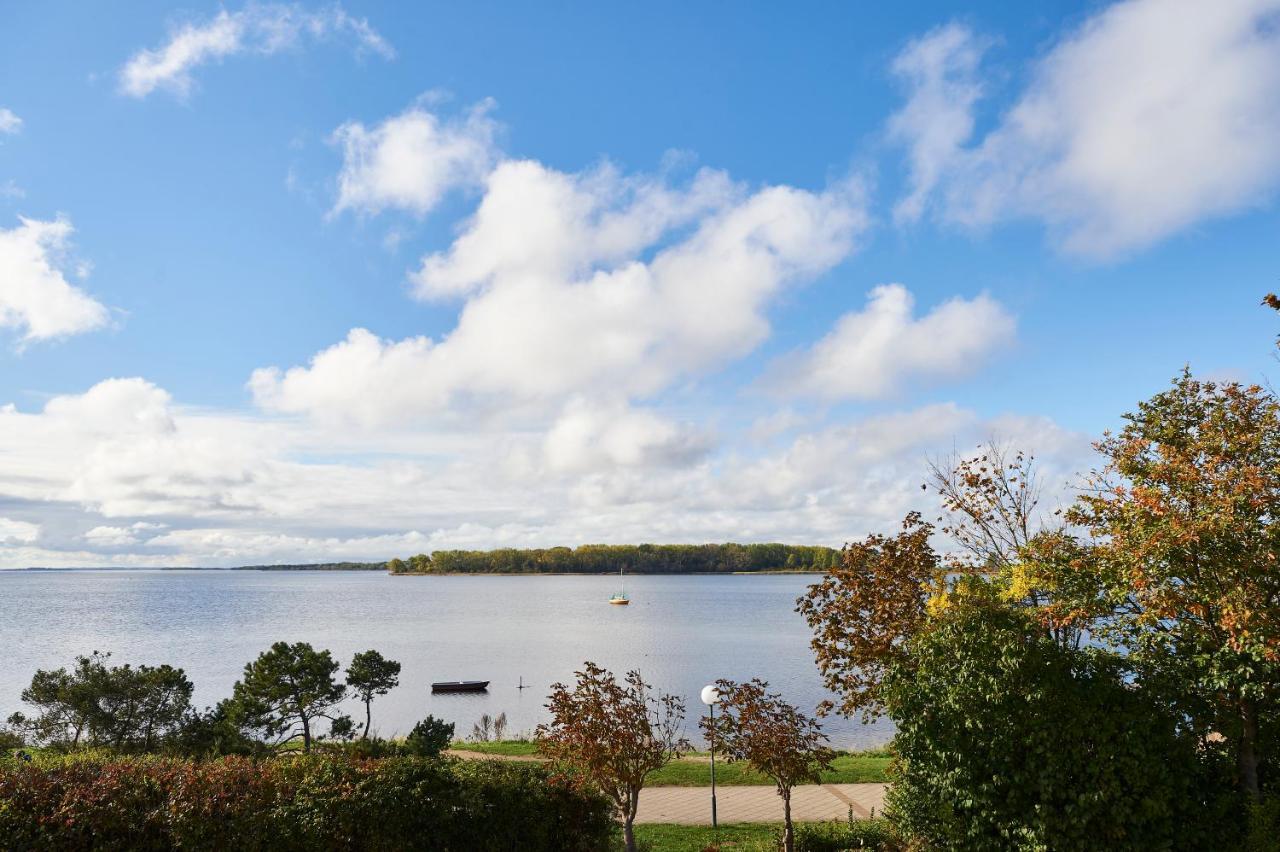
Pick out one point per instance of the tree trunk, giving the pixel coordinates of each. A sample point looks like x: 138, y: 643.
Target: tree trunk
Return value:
x: 368, y: 717
x: 1247, y: 755
x: 788, y: 835
x: 628, y: 834
x: 629, y: 819
x: 306, y: 735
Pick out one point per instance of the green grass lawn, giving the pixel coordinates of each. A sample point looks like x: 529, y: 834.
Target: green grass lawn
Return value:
x: 506, y: 748
x: 848, y: 768
x: 742, y: 836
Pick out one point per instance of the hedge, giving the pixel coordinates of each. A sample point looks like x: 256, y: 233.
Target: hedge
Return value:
x: 295, y: 803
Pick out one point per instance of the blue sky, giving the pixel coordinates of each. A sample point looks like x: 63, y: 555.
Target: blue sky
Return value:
x: 613, y: 264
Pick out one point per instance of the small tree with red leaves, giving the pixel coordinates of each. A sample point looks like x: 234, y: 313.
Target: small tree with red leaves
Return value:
x: 613, y: 735
x: 773, y: 736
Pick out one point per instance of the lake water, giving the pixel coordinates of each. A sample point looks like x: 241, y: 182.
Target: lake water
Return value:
x: 680, y: 632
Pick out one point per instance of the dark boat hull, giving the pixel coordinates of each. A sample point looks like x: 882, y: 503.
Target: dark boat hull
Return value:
x: 461, y: 686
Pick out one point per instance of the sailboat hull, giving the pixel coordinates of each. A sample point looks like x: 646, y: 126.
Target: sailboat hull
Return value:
x: 619, y: 601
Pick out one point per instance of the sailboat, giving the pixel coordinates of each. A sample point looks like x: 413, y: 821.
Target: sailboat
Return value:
x: 620, y: 598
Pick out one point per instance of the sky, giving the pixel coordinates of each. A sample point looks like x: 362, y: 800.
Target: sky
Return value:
x: 303, y: 282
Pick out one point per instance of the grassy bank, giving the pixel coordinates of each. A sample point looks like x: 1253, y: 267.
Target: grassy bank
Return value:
x: 695, y: 770
x: 871, y: 835
x: 743, y: 836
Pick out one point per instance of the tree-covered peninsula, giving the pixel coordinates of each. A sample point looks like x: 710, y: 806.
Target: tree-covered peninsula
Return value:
x: 635, y: 558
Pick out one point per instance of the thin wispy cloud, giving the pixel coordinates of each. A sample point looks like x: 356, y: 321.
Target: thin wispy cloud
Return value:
x: 256, y: 29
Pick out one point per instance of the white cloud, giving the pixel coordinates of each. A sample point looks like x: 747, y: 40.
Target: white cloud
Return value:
x: 261, y: 29
x: 34, y: 293
x: 590, y: 436
x: 411, y: 160
x: 592, y: 283
x: 872, y: 352
x: 10, y: 123
x: 121, y: 459
x: 108, y: 536
x: 1152, y: 116
x: 941, y: 70
x: 18, y: 532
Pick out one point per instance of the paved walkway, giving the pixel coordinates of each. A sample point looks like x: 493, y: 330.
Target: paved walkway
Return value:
x: 735, y: 803
x: 811, y: 802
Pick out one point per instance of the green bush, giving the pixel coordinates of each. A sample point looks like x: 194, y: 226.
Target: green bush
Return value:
x: 429, y: 737
x: 1264, y: 826
x: 1008, y: 741
x: 297, y: 804
x: 868, y: 834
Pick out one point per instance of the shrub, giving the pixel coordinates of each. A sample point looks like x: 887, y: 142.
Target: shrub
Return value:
x: 429, y: 737
x: 214, y: 733
x: 297, y: 804
x: 1007, y: 740
x: 372, y: 748
x: 876, y: 835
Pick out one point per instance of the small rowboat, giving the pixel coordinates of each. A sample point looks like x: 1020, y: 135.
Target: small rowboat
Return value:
x: 460, y: 686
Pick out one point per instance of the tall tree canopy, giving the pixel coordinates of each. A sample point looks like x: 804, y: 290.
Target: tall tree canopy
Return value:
x: 1186, y: 515
x: 863, y: 611
x: 287, y: 689
x: 371, y: 674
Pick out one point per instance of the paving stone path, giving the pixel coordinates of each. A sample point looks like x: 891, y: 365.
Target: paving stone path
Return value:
x: 734, y: 803
x: 811, y: 802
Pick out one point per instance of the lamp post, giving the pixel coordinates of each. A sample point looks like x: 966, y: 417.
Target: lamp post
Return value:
x: 711, y: 697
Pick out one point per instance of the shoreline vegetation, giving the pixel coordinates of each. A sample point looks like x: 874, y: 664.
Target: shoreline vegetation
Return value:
x: 727, y: 558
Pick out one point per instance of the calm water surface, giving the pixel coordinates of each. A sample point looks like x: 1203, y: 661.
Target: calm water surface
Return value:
x: 680, y: 632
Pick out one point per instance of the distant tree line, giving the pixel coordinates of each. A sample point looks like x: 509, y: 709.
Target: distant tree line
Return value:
x: 317, y: 566
x: 637, y: 558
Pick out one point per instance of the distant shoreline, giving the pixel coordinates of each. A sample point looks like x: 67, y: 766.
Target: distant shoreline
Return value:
x: 317, y: 569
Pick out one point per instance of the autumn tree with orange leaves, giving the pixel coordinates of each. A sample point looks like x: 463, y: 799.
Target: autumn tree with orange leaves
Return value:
x: 1186, y: 517
x: 775, y: 737
x: 863, y: 611
x: 613, y: 735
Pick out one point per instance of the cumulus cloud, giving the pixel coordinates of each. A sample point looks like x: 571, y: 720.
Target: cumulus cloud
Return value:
x: 1151, y: 116
x: 259, y: 29
x: 593, y: 283
x: 14, y: 532
x: 154, y: 483
x: 411, y: 160
x: 35, y: 296
x: 10, y: 123
x: 108, y: 536
x: 871, y: 353
x: 588, y: 436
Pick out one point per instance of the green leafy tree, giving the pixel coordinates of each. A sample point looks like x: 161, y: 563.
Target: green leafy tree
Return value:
x: 773, y: 736
x: 613, y: 735
x: 287, y: 690
x: 122, y: 707
x: 369, y: 675
x: 1186, y: 520
x: 1007, y: 740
